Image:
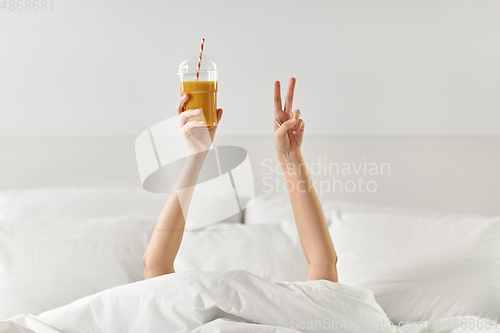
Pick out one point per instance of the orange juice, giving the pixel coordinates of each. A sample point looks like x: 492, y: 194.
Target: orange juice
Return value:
x: 202, y: 95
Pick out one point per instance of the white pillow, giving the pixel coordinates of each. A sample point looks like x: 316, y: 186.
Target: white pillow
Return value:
x: 78, y: 203
x: 81, y: 203
x: 271, y: 251
x: 421, y: 267
x: 269, y: 208
x: 47, y: 264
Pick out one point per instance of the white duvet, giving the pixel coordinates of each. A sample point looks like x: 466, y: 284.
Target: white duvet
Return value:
x: 234, y: 301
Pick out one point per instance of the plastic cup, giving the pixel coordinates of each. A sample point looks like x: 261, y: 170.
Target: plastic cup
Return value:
x: 202, y: 92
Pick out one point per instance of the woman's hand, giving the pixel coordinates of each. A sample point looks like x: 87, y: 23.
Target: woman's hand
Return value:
x: 288, y: 127
x: 197, y: 139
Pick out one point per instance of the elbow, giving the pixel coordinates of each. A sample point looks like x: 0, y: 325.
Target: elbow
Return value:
x: 324, y: 270
x: 325, y: 261
x: 152, y: 269
x: 147, y: 268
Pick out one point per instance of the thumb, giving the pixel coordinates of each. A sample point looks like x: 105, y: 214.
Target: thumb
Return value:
x: 287, y: 125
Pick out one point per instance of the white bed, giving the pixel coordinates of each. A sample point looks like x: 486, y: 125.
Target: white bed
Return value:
x: 70, y: 261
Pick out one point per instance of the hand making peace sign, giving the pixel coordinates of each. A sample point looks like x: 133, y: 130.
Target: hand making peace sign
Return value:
x: 288, y: 127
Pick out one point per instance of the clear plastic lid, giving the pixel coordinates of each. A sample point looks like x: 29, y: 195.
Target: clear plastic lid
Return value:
x: 190, y: 65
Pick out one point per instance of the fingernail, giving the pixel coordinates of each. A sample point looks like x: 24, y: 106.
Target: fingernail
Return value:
x: 292, y: 122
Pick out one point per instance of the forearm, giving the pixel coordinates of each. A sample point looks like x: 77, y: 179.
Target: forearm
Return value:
x: 167, y: 235
x: 309, y: 216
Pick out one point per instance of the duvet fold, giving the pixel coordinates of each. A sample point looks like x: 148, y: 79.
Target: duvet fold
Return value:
x: 234, y: 301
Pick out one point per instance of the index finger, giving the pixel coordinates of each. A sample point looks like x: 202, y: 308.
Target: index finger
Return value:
x: 289, y: 96
x: 277, y: 96
x: 182, y: 101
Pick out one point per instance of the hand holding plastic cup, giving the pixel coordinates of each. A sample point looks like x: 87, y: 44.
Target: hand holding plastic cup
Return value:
x: 202, y: 88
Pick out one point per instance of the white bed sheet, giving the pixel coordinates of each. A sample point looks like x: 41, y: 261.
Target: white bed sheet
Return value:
x: 245, y: 302
x: 234, y: 301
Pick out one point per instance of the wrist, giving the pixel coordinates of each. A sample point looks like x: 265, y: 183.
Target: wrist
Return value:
x: 198, y: 153
x: 291, y: 163
x: 196, y: 157
x: 290, y: 158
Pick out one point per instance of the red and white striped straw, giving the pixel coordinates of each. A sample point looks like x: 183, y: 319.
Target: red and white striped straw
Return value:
x: 199, y: 59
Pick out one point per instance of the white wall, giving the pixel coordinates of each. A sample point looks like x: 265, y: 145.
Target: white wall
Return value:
x: 107, y: 68
x: 444, y: 174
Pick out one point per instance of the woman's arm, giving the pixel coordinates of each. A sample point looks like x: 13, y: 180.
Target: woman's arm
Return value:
x: 310, y: 220
x: 167, y: 235
x: 309, y: 217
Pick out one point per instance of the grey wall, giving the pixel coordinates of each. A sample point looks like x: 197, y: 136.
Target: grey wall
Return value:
x: 411, y: 83
x: 444, y: 174
x: 107, y: 68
